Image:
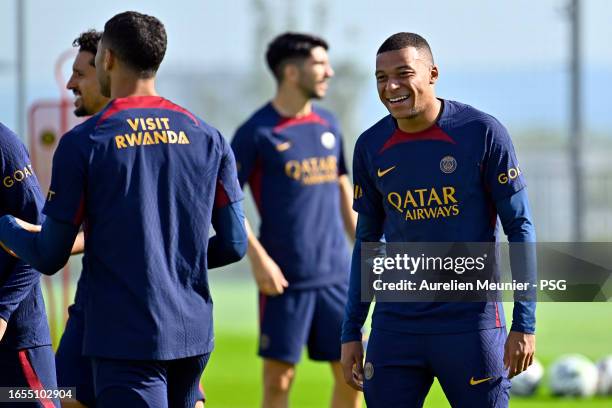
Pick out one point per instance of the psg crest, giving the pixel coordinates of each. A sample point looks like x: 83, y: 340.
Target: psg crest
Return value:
x: 368, y: 370
x: 448, y: 164
x: 328, y: 140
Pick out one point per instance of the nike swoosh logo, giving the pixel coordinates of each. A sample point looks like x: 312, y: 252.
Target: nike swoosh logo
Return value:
x: 281, y: 147
x: 383, y: 172
x: 476, y: 382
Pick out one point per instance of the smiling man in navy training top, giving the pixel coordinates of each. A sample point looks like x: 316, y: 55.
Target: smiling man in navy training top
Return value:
x: 26, y: 356
x: 464, y: 162
x: 290, y: 154
x: 146, y: 178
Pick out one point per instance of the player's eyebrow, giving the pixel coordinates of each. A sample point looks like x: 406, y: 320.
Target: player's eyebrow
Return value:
x: 408, y: 67
x: 319, y: 61
x: 404, y: 67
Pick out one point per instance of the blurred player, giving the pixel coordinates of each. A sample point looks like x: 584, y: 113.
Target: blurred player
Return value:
x: 463, y: 162
x: 290, y: 153
x: 147, y: 178
x: 26, y: 356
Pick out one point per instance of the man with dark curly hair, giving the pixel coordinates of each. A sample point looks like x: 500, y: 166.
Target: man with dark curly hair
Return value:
x: 147, y: 178
x: 83, y: 82
x: 74, y: 369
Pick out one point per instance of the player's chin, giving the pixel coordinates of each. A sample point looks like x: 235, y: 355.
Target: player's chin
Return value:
x: 81, y: 111
x: 319, y: 93
x: 321, y: 90
x: 403, y: 110
x: 400, y: 112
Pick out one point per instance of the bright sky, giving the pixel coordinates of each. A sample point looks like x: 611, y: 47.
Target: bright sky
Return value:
x: 466, y: 36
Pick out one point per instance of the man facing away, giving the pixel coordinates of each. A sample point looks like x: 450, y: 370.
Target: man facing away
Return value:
x: 73, y: 368
x: 147, y: 178
x: 290, y: 153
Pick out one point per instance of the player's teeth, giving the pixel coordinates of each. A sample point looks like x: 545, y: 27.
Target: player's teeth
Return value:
x: 400, y: 98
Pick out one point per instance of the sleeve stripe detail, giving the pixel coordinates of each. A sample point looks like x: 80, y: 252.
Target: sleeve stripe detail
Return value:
x: 221, y: 197
x: 255, y: 181
x: 32, y: 378
x: 78, y: 217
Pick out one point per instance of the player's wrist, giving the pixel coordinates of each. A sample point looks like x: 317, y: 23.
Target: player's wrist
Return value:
x: 256, y: 254
x: 522, y: 328
x: 350, y: 337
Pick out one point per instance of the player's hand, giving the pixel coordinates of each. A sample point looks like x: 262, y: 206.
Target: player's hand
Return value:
x: 269, y: 277
x: 518, y: 352
x: 2, y: 328
x: 352, y: 364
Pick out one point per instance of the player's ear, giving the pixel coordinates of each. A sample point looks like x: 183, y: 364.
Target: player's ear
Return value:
x: 291, y: 73
x: 109, y: 59
x: 433, y: 74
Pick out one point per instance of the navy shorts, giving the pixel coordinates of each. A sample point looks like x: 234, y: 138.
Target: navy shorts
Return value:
x: 74, y: 369
x: 32, y: 368
x: 311, y: 317
x: 399, y: 369
x: 159, y: 384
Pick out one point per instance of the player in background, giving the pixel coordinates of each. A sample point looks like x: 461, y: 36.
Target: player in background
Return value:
x: 459, y: 159
x: 83, y: 82
x: 130, y: 174
x: 26, y: 356
x: 290, y: 153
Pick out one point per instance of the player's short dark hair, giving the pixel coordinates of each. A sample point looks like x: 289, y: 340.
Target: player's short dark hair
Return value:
x: 138, y: 40
x: 289, y: 47
x: 402, y: 40
x: 88, y: 42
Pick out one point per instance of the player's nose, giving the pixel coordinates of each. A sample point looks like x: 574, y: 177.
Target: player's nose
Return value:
x: 71, y: 84
x: 392, y: 85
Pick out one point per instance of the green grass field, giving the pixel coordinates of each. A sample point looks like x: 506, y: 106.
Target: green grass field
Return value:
x: 232, y: 378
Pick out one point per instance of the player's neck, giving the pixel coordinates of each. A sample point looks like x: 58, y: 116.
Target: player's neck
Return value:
x: 423, y: 121
x: 291, y: 103
x: 126, y: 86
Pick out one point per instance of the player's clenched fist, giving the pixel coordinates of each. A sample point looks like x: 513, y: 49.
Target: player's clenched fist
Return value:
x: 352, y: 364
x: 269, y: 277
